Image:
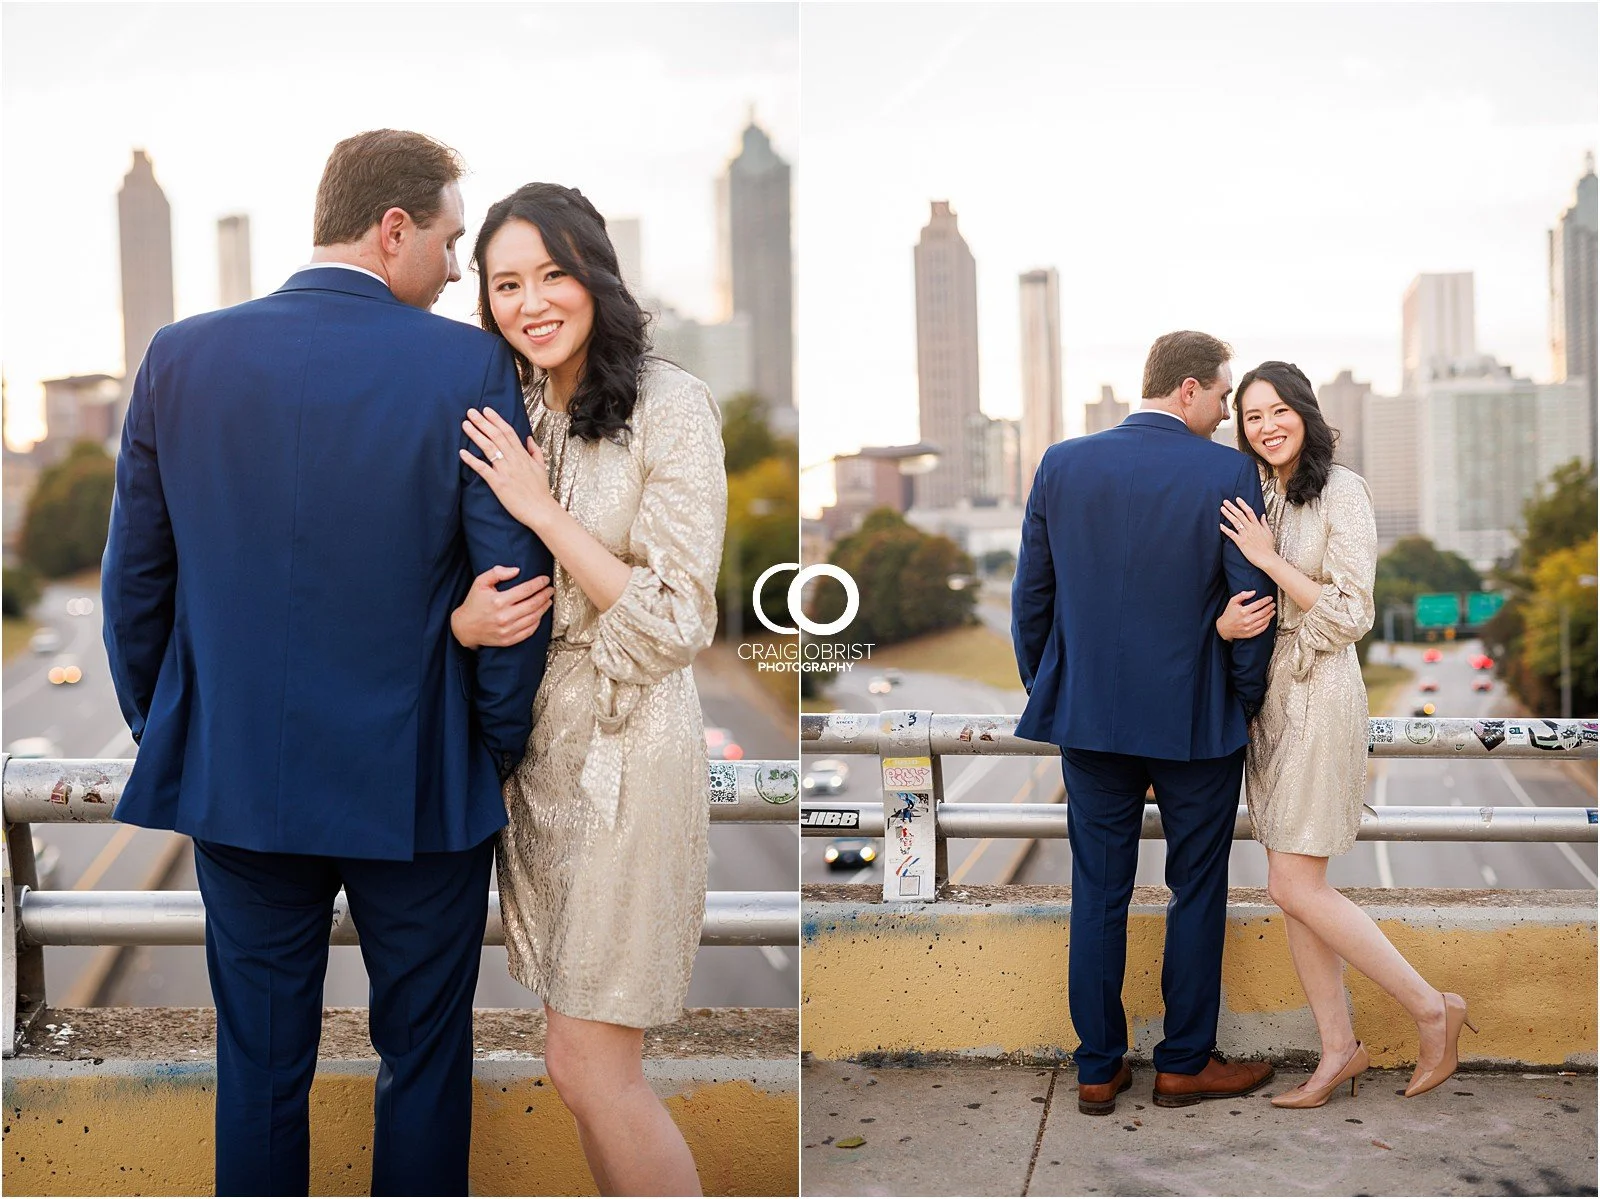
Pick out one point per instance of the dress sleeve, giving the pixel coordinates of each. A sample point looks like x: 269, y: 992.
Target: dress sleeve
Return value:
x: 1343, y: 612
x: 668, y: 612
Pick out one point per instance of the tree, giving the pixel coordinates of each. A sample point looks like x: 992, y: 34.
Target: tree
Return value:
x: 763, y: 530
x: 1559, y: 530
x: 64, y: 530
x: 20, y: 591
x: 1415, y: 566
x: 747, y: 435
x: 903, y: 576
x: 1557, y: 593
x: 1559, y: 517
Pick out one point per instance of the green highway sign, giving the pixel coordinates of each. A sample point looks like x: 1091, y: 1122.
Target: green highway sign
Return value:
x: 1482, y: 605
x: 1438, y: 611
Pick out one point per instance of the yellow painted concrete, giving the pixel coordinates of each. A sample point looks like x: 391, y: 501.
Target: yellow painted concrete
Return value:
x: 152, y: 1134
x: 964, y: 979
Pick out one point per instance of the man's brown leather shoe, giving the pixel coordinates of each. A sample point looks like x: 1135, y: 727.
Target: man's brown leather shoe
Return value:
x: 1100, y: 1098
x: 1219, y: 1080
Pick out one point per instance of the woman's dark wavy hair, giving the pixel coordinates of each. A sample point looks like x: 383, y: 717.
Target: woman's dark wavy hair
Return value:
x: 1316, y: 453
x: 574, y: 233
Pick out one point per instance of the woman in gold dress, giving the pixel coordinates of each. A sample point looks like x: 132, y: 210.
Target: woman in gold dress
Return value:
x: 602, y: 866
x: 1306, y: 768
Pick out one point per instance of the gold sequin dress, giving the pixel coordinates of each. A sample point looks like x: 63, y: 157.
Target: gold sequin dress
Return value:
x: 602, y: 866
x: 1306, y: 768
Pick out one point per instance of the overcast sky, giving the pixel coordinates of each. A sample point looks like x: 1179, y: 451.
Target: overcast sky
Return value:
x: 1272, y: 174
x: 640, y: 106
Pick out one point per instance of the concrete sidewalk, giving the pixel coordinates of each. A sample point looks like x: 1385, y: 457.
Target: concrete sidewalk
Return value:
x: 980, y: 1129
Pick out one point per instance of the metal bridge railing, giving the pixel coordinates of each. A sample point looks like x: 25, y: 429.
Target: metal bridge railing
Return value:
x: 83, y: 791
x: 915, y: 821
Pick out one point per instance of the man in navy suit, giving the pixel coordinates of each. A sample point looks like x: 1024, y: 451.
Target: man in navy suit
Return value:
x: 291, y: 531
x: 1122, y: 575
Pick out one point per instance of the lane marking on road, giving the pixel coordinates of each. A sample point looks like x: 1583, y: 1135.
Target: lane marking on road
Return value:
x: 108, y: 750
x: 864, y: 875
x: 776, y: 958
x: 961, y: 871
x: 1380, y: 798
x: 969, y: 778
x: 1527, y: 801
x: 103, y: 861
x: 1489, y: 876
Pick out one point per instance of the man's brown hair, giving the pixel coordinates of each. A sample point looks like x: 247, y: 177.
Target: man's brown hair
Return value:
x: 370, y: 173
x: 1183, y: 355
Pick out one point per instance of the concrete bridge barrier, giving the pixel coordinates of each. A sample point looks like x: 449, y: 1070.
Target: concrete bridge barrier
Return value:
x: 119, y: 1101
x: 982, y: 974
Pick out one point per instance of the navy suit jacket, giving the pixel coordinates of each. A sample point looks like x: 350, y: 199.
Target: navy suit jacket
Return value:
x: 1121, y: 577
x: 291, y: 529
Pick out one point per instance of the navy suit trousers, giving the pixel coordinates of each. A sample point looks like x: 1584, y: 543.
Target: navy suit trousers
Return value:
x: 421, y: 924
x: 1105, y: 809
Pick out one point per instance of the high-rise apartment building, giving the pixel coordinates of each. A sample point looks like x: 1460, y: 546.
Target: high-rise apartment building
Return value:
x: 1389, y: 464
x: 721, y: 354
x: 1572, y: 293
x: 144, y: 226
x: 947, y: 355
x: 1105, y: 413
x: 1485, y: 444
x: 994, y: 460
x: 1040, y: 294
x: 753, y: 202
x: 1438, y: 334
x: 233, y: 260
x: 1343, y: 403
x: 78, y: 408
x: 627, y: 239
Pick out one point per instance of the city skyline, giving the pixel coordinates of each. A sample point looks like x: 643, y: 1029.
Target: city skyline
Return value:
x: 680, y: 82
x: 1185, y: 173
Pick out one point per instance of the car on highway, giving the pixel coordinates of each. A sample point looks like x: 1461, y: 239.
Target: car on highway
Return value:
x: 1482, y: 662
x: 826, y: 776
x: 878, y: 685
x: 65, y: 671
x: 849, y: 853
x: 894, y: 676
x: 80, y: 605
x: 1482, y: 684
x: 1428, y: 686
x: 33, y: 747
x: 45, y: 641
x: 1431, y: 655
x: 1423, y: 710
x: 720, y: 745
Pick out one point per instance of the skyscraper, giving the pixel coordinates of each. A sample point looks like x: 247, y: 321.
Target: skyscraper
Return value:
x: 1389, y: 456
x: 756, y: 272
x: 144, y: 225
x: 1040, y: 292
x: 1105, y: 413
x: 1572, y: 292
x: 1438, y: 333
x: 947, y: 355
x: 1343, y: 404
x: 627, y: 239
x: 233, y: 260
x: 1485, y: 443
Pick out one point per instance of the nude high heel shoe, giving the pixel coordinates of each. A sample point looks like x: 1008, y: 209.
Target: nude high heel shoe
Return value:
x: 1353, y: 1069
x: 1455, y: 1016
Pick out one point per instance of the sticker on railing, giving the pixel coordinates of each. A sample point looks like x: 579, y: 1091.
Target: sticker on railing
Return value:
x: 908, y: 774
x: 724, y: 783
x: 778, y: 783
x: 829, y: 818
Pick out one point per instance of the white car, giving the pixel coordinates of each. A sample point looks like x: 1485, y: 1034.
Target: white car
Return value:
x: 33, y: 747
x: 825, y: 777
x: 45, y: 641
